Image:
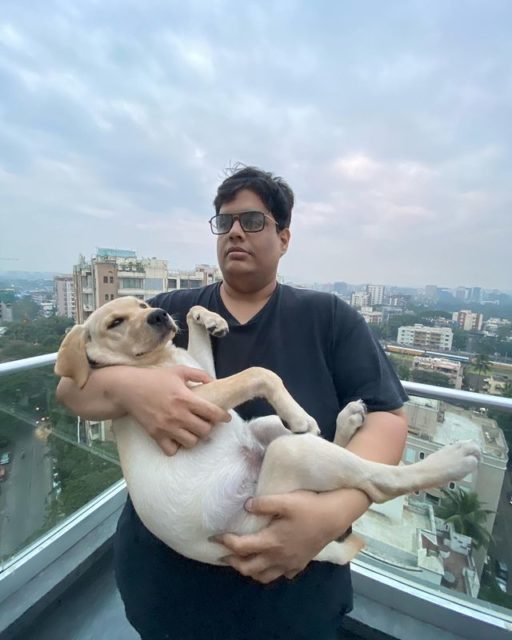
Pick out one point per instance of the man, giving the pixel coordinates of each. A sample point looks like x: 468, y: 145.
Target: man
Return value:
x: 326, y: 357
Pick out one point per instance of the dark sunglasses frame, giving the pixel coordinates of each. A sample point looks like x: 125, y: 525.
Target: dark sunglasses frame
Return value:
x: 240, y: 218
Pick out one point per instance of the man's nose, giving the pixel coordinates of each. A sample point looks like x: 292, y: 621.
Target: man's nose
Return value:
x: 236, y: 229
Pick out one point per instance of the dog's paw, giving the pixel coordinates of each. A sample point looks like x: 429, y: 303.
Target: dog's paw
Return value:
x: 458, y: 460
x: 304, y: 424
x: 349, y: 420
x: 212, y: 322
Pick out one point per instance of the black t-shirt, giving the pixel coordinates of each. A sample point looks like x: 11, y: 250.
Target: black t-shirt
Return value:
x: 326, y: 356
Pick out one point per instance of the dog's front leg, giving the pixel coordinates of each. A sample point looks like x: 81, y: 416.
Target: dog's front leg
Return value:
x: 257, y: 382
x: 201, y: 323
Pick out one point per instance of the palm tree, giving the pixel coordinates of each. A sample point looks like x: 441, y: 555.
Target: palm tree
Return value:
x: 482, y: 364
x: 464, y: 510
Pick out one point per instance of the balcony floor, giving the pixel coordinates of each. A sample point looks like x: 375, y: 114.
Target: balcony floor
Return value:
x: 91, y: 609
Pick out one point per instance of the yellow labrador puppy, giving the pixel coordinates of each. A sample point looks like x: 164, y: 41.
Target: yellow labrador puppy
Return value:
x: 186, y: 499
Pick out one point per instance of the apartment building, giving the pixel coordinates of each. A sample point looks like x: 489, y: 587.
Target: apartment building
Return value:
x: 468, y: 320
x: 359, y: 299
x: 453, y: 370
x: 418, y: 335
x: 371, y: 316
x: 433, y: 424
x: 113, y: 273
x: 375, y: 294
x: 5, y: 312
x: 64, y: 294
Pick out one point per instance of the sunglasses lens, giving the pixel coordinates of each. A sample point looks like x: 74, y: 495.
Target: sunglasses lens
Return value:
x: 222, y: 223
x: 252, y: 221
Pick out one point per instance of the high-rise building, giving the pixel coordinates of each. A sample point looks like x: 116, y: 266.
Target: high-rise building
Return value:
x: 468, y: 320
x: 375, y: 294
x: 431, y: 293
x: 462, y: 293
x: 434, y: 338
x: 476, y: 294
x: 64, y: 296
x: 5, y: 312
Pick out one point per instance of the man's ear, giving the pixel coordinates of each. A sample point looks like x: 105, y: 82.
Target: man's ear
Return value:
x: 284, y: 236
x: 72, y: 358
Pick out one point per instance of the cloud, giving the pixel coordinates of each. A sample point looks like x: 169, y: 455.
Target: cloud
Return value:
x: 392, y: 126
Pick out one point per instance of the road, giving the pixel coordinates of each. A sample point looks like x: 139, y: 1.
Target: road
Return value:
x: 28, y: 485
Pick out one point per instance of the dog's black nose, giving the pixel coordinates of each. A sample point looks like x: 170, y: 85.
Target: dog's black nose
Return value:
x: 159, y: 319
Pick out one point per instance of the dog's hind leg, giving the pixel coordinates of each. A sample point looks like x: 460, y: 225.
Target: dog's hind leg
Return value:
x: 306, y: 462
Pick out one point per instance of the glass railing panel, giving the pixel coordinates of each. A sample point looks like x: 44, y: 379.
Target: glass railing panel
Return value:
x: 51, y: 463
x: 456, y: 540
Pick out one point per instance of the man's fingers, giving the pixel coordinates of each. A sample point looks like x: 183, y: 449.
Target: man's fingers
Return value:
x: 191, y: 374
x: 275, y: 505
x: 168, y: 446
x: 209, y: 411
x: 248, y: 566
x: 243, y: 545
x: 185, y: 438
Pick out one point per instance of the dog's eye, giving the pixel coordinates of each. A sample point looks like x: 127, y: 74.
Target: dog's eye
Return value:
x: 143, y: 306
x: 115, y: 323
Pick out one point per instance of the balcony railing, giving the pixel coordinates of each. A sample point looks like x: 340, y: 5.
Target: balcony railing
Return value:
x: 395, y: 597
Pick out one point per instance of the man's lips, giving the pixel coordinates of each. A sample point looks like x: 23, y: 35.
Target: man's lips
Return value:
x: 236, y: 250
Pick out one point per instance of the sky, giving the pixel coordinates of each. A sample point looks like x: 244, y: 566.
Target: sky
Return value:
x: 391, y: 121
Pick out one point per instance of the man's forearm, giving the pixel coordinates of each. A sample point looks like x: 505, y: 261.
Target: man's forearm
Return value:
x: 96, y: 400
x: 381, y: 439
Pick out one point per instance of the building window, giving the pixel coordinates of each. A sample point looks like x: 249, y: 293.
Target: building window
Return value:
x: 105, y: 280
x: 111, y: 279
x: 452, y: 485
x: 111, y: 296
x: 421, y: 455
x: 131, y: 283
x: 106, y: 297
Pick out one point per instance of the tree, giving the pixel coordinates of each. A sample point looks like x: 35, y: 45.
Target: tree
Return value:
x: 507, y: 390
x: 482, y: 366
x: 431, y: 377
x: 464, y: 510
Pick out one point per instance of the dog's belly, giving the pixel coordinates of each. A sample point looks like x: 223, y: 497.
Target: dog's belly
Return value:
x: 199, y: 492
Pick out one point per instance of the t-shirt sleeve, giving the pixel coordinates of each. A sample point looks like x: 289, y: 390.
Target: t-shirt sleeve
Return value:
x: 361, y: 368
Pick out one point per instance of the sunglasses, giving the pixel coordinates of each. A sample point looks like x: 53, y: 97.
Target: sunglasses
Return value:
x: 250, y: 221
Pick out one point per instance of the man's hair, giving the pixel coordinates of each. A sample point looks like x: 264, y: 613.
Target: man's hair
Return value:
x: 273, y: 191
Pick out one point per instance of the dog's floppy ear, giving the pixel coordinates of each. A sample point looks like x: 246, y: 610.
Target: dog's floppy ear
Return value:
x: 72, y: 358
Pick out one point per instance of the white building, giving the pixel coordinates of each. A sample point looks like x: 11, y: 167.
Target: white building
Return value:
x: 453, y: 370
x: 468, y: 320
x: 418, y: 335
x: 5, y: 312
x: 359, y: 299
x: 375, y: 294
x: 64, y: 296
x: 371, y: 316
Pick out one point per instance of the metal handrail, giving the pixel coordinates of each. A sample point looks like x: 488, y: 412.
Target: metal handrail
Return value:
x: 414, y: 388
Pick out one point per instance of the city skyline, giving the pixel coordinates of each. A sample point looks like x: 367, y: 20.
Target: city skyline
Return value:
x: 391, y: 125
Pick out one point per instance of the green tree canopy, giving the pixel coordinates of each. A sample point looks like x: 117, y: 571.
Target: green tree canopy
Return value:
x: 465, y: 511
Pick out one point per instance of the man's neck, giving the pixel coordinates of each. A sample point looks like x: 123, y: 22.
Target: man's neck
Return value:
x: 244, y: 305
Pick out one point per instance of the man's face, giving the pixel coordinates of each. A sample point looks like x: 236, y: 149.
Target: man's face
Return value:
x: 250, y: 258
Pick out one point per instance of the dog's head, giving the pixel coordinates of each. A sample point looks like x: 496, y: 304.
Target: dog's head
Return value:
x: 125, y: 331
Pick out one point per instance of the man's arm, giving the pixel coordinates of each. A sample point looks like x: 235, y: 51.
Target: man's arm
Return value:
x: 159, y: 399
x: 305, y: 522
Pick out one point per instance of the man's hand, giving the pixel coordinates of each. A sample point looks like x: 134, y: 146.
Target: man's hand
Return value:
x: 162, y: 402
x: 301, y: 527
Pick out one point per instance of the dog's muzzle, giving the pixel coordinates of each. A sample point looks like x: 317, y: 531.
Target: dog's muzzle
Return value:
x: 160, y: 320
